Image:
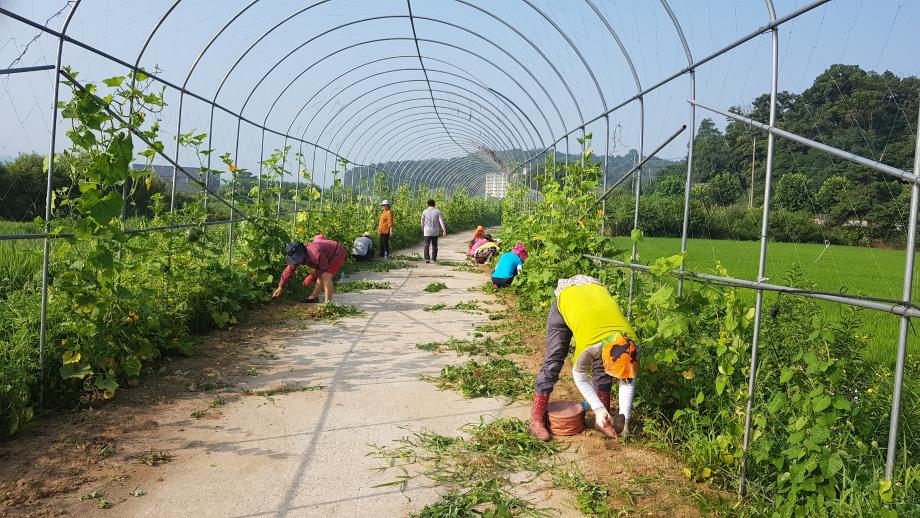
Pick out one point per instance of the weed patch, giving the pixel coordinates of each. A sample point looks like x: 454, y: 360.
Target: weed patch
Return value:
x: 154, y: 458
x: 350, y: 286
x: 436, y: 307
x: 493, y: 328
x: 494, y: 378
x: 286, y: 389
x: 382, y: 265
x: 330, y: 311
x: 593, y: 499
x: 470, y: 306
x: 478, y: 467
x: 407, y: 257
x: 509, y: 344
x: 435, y: 287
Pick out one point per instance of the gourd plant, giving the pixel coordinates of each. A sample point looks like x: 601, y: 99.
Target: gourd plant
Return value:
x: 558, y: 228
x: 98, y: 337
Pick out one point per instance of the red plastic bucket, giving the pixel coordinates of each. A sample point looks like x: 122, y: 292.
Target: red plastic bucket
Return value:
x: 565, y: 418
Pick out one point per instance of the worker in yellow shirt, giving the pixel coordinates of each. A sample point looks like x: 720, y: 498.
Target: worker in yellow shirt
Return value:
x: 604, y: 346
x: 385, y: 228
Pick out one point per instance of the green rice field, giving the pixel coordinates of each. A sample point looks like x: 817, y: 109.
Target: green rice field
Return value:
x: 856, y: 270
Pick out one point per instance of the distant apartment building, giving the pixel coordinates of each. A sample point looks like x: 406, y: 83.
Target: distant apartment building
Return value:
x: 496, y: 185
x: 184, y: 183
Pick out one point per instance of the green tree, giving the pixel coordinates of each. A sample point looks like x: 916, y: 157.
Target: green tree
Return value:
x: 709, y: 148
x: 723, y: 189
x: 831, y: 193
x: 792, y: 192
x: 23, y: 185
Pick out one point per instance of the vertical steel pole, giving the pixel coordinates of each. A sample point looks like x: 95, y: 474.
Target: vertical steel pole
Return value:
x: 46, y: 247
x: 175, y: 169
x: 638, y: 182
x: 207, y: 174
x: 297, y: 187
x: 906, y: 293
x: 753, y: 159
x: 261, y: 159
x: 685, y: 228
x: 280, y: 179
x: 762, y: 265
x: 604, y: 179
x: 236, y: 163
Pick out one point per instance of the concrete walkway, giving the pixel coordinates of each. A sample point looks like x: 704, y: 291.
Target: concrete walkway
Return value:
x: 305, y: 453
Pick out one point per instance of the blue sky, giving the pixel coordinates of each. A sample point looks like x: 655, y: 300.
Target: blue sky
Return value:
x: 877, y: 35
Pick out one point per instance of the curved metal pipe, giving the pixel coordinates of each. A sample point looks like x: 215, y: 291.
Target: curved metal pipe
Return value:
x: 371, y: 76
x: 232, y: 68
x: 416, y: 129
x: 424, y: 147
x: 616, y: 38
x: 584, y: 62
x: 332, y: 119
x: 382, y: 98
x: 762, y: 262
x: 535, y: 47
x: 392, y: 131
x: 464, y: 165
x: 415, y: 144
x: 49, y: 189
x: 685, y: 227
x: 490, y: 90
x: 470, y: 52
x: 371, y: 133
x: 480, y: 122
x: 506, y: 132
x: 430, y: 175
x: 416, y: 173
x: 397, y: 154
x: 422, y: 150
x: 421, y: 61
x: 137, y: 62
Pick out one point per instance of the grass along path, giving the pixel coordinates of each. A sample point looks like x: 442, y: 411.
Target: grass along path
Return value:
x: 500, y: 463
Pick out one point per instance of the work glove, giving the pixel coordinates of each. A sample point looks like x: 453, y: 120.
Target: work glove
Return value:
x: 602, y: 418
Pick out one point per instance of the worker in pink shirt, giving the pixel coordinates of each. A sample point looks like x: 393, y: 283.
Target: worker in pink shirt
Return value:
x: 325, y: 256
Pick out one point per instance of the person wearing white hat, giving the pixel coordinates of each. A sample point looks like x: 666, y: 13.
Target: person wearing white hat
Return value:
x: 385, y: 228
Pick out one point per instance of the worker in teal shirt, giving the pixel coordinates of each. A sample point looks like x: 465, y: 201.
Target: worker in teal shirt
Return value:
x: 509, y: 265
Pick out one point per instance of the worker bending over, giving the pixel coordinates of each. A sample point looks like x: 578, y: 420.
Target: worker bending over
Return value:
x: 604, y: 346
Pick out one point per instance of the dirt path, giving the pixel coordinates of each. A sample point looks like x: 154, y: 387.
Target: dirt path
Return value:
x: 277, y: 418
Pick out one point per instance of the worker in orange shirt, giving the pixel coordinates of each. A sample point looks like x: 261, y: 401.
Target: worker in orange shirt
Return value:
x: 385, y: 228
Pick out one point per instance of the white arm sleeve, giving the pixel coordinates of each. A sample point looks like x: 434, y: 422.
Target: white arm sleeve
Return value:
x: 583, y: 381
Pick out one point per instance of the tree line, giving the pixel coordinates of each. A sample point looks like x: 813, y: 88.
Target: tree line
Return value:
x: 816, y: 196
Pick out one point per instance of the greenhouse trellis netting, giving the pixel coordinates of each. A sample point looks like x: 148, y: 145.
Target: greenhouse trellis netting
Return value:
x: 495, y: 134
